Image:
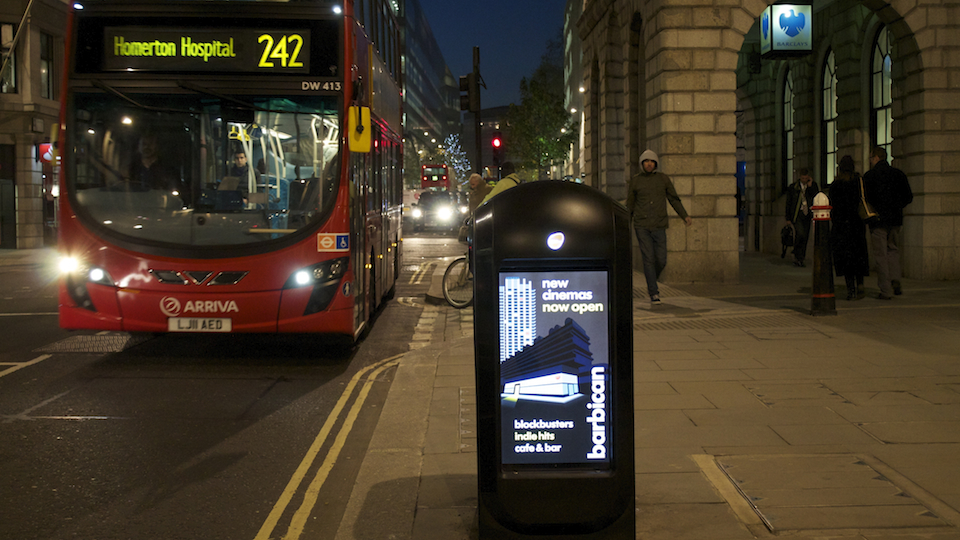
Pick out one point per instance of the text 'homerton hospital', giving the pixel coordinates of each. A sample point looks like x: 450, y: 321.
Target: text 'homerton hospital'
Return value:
x: 187, y: 48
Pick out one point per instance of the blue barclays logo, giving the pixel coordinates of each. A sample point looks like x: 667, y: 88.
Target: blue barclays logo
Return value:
x: 765, y: 24
x: 792, y: 23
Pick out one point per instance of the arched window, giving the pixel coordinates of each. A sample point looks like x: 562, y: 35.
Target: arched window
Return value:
x: 787, y: 135
x: 881, y: 90
x: 828, y: 126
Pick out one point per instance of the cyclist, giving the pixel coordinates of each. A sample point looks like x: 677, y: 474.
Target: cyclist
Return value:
x: 508, y: 179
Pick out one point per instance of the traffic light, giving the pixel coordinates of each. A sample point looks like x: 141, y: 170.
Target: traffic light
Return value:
x: 497, y: 143
x: 470, y: 85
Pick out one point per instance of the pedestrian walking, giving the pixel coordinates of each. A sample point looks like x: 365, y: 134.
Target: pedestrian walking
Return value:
x: 888, y: 190
x: 478, y: 190
x: 647, y: 198
x: 848, y: 234
x: 800, y: 196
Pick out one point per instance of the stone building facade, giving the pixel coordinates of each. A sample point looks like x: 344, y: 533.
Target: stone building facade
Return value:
x: 685, y: 79
x: 29, y: 109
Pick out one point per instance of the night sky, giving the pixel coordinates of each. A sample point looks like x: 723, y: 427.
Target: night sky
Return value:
x: 512, y: 36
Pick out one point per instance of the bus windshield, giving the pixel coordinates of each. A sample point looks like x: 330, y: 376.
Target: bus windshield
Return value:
x: 194, y: 170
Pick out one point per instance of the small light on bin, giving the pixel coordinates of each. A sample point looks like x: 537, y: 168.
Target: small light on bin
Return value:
x: 555, y: 241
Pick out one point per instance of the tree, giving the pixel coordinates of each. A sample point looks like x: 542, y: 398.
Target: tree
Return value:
x: 540, y: 130
x: 457, y: 160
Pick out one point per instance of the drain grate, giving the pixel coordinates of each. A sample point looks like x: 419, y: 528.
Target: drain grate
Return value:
x: 827, y: 491
x: 100, y: 343
x: 718, y: 323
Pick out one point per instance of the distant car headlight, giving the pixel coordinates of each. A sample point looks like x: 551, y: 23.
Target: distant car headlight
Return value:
x: 464, y: 209
x: 445, y: 213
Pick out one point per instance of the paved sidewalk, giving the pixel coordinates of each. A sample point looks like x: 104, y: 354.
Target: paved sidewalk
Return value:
x: 35, y: 258
x: 754, y: 419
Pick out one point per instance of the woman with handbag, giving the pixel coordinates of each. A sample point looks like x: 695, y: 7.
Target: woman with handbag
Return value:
x: 848, y: 240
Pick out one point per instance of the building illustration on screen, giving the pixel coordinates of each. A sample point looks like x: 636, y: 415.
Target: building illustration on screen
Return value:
x: 518, y: 315
x: 552, y: 368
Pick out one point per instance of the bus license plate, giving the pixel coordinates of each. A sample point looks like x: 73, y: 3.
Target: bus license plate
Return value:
x: 198, y: 324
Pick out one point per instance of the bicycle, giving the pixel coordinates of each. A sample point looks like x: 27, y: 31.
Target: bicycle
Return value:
x: 458, y: 283
x: 458, y: 277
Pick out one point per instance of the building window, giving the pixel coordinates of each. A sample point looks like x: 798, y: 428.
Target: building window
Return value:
x: 881, y: 89
x: 787, y: 135
x: 8, y: 79
x: 46, y: 66
x: 828, y: 129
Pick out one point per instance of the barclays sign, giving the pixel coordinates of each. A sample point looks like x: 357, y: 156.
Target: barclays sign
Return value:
x: 786, y: 29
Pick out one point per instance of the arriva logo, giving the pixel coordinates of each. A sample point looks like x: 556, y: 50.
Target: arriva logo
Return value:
x: 171, y: 306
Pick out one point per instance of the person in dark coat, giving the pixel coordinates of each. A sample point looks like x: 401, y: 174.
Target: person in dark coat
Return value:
x: 888, y: 190
x: 800, y: 196
x: 848, y: 238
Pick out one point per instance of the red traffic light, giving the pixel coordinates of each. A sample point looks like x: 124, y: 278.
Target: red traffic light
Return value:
x: 496, y: 142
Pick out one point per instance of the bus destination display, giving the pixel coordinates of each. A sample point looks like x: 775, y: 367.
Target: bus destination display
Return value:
x: 246, y: 50
x: 555, y: 377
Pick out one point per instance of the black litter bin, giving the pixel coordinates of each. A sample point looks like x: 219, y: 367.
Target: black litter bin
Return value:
x: 553, y: 326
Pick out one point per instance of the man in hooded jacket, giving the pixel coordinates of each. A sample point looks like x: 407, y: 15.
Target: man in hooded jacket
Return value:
x: 647, y: 199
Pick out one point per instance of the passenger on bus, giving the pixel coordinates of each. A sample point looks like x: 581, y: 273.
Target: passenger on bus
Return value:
x: 241, y: 169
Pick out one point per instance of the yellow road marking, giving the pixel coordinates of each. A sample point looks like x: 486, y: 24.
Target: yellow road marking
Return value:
x: 294, y: 484
x: 422, y: 272
x: 299, y: 520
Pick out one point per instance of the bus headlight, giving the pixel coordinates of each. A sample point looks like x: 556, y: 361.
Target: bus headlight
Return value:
x: 417, y: 213
x: 99, y: 276
x: 76, y: 277
x: 68, y: 265
x: 324, y: 277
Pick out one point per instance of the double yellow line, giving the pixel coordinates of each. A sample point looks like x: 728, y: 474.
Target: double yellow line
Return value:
x: 422, y: 272
x: 312, y: 491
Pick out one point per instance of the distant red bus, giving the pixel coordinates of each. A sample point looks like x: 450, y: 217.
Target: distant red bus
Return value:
x: 211, y: 177
x: 434, y: 177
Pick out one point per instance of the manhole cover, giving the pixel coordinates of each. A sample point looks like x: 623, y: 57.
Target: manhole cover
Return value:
x: 830, y: 491
x: 100, y: 343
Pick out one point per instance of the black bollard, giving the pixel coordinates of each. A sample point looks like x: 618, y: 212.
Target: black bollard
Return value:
x: 823, y: 301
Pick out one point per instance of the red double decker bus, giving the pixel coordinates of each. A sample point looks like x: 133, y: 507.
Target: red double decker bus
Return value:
x: 434, y: 177
x: 230, y: 166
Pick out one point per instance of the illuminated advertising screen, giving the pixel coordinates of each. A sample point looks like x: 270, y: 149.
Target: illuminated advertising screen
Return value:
x: 555, y: 376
